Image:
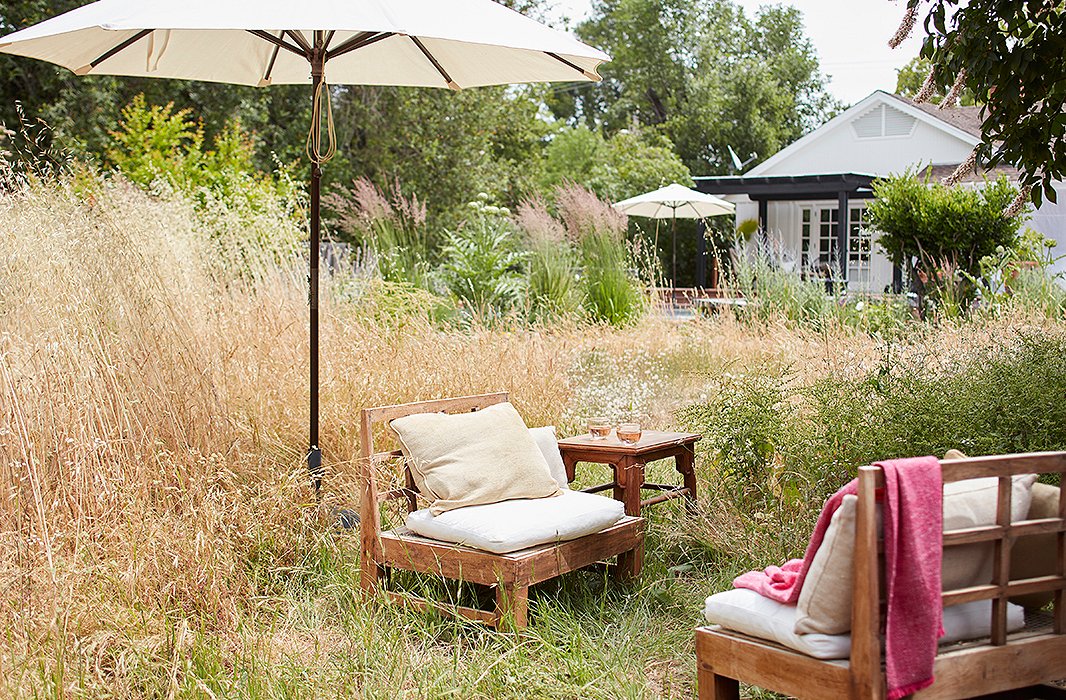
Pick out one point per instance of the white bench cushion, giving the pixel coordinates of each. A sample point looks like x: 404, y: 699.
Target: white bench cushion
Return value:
x: 747, y: 612
x: 509, y: 526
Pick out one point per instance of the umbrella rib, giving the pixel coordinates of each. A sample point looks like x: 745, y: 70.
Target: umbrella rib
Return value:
x: 329, y: 38
x: 270, y: 66
x: 358, y: 42
x: 444, y: 74
x: 277, y: 41
x: 300, y: 40
x: 121, y: 47
x: 588, y: 74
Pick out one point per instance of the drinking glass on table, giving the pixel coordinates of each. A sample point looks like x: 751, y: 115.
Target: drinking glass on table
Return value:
x: 629, y: 433
x: 599, y: 428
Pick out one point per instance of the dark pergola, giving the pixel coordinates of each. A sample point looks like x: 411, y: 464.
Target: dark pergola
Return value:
x: 762, y: 189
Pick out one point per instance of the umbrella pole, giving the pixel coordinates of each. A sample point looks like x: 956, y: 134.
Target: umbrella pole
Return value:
x: 314, y: 454
x: 673, y: 247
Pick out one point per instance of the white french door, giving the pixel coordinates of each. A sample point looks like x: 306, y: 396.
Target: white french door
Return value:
x: 818, y: 240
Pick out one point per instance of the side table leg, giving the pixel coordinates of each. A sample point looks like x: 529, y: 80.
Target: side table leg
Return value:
x: 684, y: 462
x: 631, y: 479
x: 570, y: 464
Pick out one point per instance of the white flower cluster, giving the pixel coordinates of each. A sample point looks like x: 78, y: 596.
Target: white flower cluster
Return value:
x: 617, y: 387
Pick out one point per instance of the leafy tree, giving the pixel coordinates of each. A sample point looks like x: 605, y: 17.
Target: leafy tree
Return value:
x: 1011, y: 55
x: 909, y: 80
x: 624, y: 165
x: 704, y: 74
x: 441, y: 145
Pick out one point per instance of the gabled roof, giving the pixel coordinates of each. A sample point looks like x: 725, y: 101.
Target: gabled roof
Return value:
x: 967, y: 119
x: 961, y: 122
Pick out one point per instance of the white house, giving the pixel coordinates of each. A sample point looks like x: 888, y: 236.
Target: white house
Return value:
x: 798, y: 194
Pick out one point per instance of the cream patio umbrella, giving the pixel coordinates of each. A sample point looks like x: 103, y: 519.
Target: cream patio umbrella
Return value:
x: 673, y: 202
x: 429, y: 43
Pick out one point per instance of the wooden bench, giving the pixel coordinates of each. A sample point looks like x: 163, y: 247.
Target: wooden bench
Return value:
x: 510, y: 575
x: 1002, y: 665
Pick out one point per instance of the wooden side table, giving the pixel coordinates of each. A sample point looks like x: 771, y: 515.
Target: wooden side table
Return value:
x: 628, y: 462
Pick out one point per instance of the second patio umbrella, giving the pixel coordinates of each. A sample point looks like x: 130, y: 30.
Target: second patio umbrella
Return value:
x: 430, y: 43
x: 674, y: 202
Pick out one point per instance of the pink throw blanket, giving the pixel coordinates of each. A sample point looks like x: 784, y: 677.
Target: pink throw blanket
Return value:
x: 913, y: 525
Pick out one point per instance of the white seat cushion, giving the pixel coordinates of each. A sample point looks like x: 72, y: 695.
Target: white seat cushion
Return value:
x: 512, y: 525
x: 747, y: 612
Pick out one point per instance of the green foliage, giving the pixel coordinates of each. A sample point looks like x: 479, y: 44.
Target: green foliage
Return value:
x: 910, y: 77
x: 939, y: 234
x: 1013, y: 53
x: 443, y: 146
x: 626, y: 164
x: 1021, y: 276
x: 771, y: 437
x: 155, y: 142
x: 704, y: 74
x: 482, y: 264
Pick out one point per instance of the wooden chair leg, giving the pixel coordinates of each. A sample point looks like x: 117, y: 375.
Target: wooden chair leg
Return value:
x: 711, y: 686
x: 630, y: 564
x: 512, y: 607
x: 370, y: 574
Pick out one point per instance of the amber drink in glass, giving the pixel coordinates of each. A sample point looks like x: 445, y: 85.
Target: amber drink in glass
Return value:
x: 599, y: 428
x: 629, y: 433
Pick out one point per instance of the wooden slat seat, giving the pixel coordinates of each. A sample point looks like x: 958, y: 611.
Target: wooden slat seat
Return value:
x: 1006, y: 665
x: 510, y: 574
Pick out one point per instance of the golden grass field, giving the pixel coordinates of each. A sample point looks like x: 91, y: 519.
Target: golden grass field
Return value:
x: 158, y: 537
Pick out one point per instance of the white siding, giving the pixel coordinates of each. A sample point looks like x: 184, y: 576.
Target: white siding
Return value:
x: 841, y: 150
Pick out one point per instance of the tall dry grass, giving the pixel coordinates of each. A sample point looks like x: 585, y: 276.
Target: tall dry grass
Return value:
x: 157, y: 533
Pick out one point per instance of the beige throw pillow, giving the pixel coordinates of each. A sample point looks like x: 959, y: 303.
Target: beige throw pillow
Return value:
x: 468, y: 459
x: 825, y: 600
x: 1035, y: 555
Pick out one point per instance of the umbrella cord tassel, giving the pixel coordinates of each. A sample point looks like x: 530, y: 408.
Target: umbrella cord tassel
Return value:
x: 314, y: 136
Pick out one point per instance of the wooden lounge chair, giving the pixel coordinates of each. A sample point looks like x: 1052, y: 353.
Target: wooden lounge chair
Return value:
x: 509, y: 574
x: 1002, y: 665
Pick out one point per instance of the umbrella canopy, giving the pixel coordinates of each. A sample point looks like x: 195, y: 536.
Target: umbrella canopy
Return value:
x: 421, y: 43
x: 427, y: 43
x: 675, y: 202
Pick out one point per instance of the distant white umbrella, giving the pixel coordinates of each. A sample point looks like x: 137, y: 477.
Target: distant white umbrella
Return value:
x: 429, y: 43
x: 675, y: 202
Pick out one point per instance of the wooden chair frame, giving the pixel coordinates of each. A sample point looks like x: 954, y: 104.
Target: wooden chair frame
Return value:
x: 1007, y: 666
x: 510, y: 574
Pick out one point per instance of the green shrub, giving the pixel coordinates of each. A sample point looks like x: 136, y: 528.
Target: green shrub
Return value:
x: 482, y: 264
x: 939, y: 235
x: 770, y: 437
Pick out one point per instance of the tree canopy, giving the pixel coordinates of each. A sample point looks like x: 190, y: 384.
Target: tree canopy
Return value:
x: 1011, y: 55
x: 705, y: 75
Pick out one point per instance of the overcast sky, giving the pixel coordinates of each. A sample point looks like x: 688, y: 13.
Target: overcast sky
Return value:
x: 850, y: 36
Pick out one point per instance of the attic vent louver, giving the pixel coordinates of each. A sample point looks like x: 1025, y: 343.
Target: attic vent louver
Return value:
x: 883, y: 121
